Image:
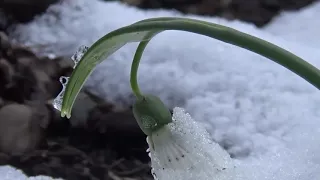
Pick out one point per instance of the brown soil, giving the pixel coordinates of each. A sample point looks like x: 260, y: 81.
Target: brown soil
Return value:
x: 109, y: 145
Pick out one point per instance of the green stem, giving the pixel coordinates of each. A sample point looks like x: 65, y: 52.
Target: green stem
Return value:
x: 139, y: 31
x: 134, y: 70
x: 135, y: 65
x: 234, y: 37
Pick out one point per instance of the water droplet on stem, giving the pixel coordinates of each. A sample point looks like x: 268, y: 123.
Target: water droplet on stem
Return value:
x: 57, y: 102
x: 76, y: 57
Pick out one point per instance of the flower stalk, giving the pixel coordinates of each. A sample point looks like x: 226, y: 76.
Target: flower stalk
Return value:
x: 146, y: 29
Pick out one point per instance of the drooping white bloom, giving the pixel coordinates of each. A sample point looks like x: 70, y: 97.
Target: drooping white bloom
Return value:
x: 183, y: 150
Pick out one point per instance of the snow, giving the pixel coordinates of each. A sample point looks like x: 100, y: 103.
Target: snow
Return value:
x: 10, y: 173
x: 265, y: 116
x: 301, y: 27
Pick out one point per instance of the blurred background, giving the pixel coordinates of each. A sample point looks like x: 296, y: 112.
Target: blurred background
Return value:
x: 258, y: 12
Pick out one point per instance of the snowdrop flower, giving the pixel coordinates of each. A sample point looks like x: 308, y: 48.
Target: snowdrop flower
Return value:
x: 183, y: 150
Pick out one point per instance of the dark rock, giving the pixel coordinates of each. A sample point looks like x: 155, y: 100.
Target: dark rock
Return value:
x: 3, y: 21
x: 6, y: 75
x: 4, y: 41
x: 258, y: 12
x: 26, y: 77
x: 20, y: 129
x: 118, y: 129
x: 21, y: 85
x: 133, y: 2
x: 24, y: 10
x: 4, y: 158
x: 1, y: 102
x: 105, y: 120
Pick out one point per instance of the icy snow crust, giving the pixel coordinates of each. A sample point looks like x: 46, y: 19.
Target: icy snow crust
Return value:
x: 9, y: 173
x: 266, y: 117
x: 302, y: 27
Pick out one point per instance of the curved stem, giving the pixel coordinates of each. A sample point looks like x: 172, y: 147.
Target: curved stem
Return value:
x: 231, y: 36
x: 134, y: 69
x: 139, y: 31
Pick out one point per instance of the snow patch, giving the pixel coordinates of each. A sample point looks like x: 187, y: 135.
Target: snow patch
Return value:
x: 301, y: 27
x: 10, y: 173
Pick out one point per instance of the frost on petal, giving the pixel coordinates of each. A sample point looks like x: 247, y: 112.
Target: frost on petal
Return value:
x: 183, y: 150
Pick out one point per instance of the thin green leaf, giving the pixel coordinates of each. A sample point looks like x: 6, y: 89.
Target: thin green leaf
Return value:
x: 141, y: 30
x: 98, y: 52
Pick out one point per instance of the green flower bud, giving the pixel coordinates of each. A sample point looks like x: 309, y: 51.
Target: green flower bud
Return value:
x: 151, y: 114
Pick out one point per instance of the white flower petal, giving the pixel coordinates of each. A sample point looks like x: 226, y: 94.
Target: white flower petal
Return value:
x: 183, y: 150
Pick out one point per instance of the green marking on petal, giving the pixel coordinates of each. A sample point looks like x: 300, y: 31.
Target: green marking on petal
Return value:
x: 148, y: 122
x: 151, y: 114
